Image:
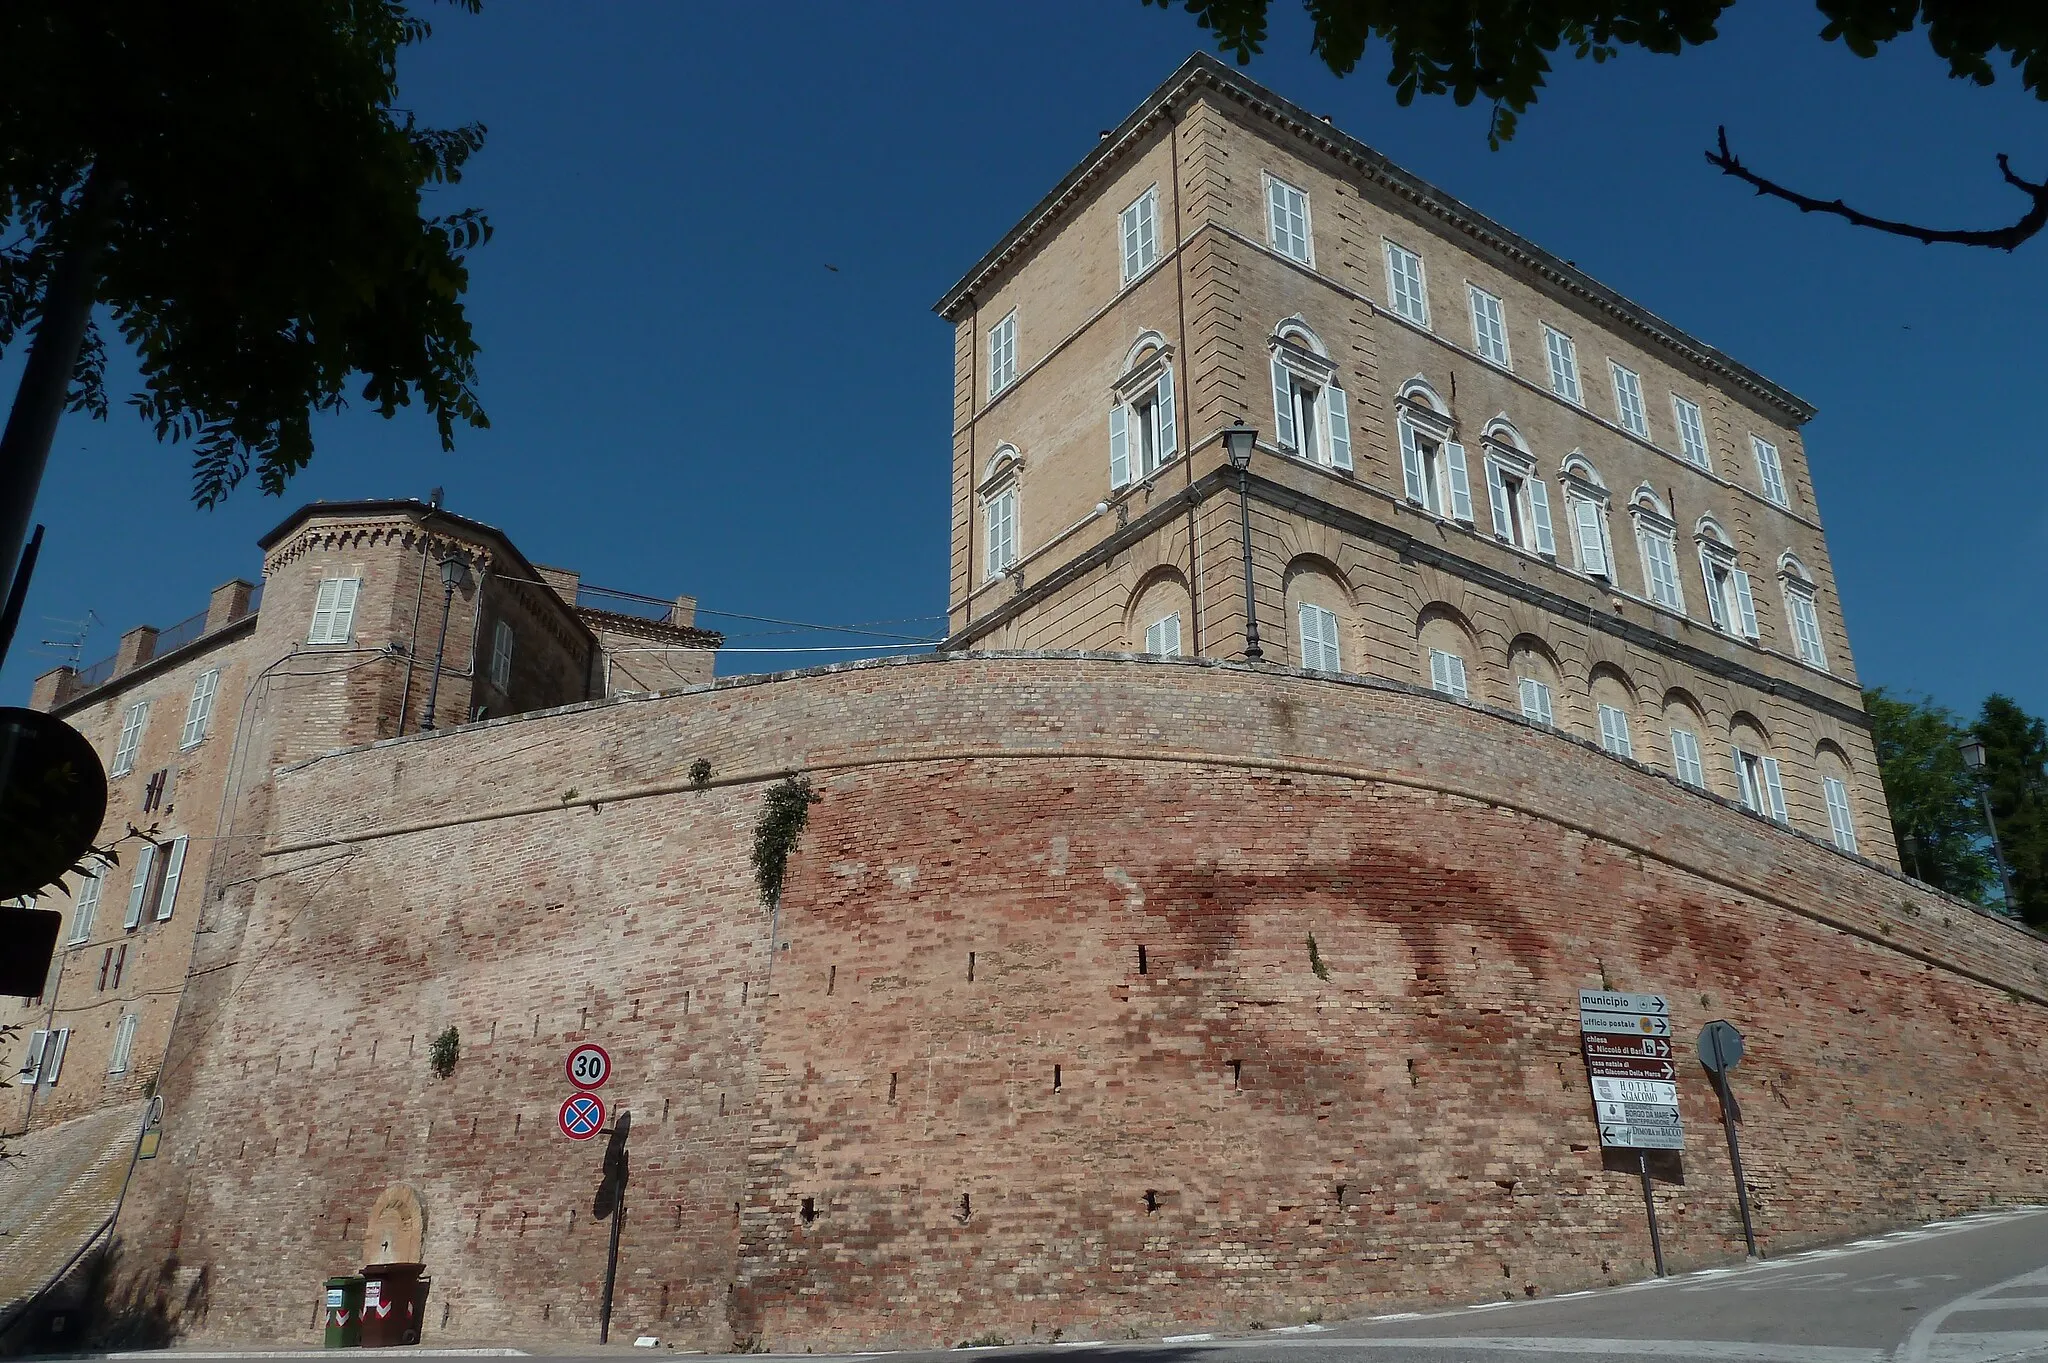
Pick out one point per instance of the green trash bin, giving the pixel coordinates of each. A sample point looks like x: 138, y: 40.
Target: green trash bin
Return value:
x: 344, y: 1313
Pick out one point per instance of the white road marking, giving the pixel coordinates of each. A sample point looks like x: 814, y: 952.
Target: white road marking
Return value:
x: 1187, y: 1339
x: 1077, y: 1343
x: 1985, y: 1348
x: 1731, y: 1351
x: 1921, y: 1345
x: 420, y: 1352
x: 1300, y: 1329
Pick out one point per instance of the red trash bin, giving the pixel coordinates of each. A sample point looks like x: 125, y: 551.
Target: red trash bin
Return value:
x: 394, y: 1304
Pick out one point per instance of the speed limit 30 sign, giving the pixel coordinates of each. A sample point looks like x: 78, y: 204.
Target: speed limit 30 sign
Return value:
x: 589, y: 1066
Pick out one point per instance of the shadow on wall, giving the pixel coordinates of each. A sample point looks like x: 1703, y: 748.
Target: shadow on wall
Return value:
x: 95, y: 1309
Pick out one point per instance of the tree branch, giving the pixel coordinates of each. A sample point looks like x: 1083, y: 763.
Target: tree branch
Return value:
x: 2003, y: 238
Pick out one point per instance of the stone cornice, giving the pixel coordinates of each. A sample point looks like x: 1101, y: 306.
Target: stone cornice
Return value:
x: 1202, y: 72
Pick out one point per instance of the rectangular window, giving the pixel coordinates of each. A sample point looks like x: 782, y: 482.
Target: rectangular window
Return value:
x: 124, y: 1042
x: 1287, y: 220
x: 1685, y: 756
x: 334, y: 611
x: 32, y: 1062
x: 1614, y: 732
x: 1589, y: 533
x: 131, y: 739
x: 1536, y: 702
x: 1521, y: 509
x: 1564, y: 365
x: 1140, y: 232
x: 1660, y: 568
x: 1406, y: 292
x: 174, y: 868
x: 1002, y: 354
x: 1729, y: 599
x: 88, y: 904
x: 53, y: 1055
x: 1002, y: 531
x: 1435, y: 474
x: 501, y: 655
x: 1769, y: 471
x: 1311, y: 420
x: 1489, y: 327
x: 1628, y: 401
x: 1447, y: 673
x: 1319, y: 640
x: 1763, y: 791
x: 1163, y: 636
x: 200, y: 710
x: 1692, y: 432
x: 1837, y: 792
x: 1805, y: 626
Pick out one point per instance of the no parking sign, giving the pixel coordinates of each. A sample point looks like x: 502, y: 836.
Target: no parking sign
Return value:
x: 582, y: 1116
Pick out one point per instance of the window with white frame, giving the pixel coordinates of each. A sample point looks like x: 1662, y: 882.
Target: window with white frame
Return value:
x: 167, y: 882
x: 1489, y: 327
x: 1656, y: 538
x: 1804, y: 619
x: 1730, y: 600
x: 999, y: 508
x: 1447, y: 673
x: 1614, y: 732
x: 1002, y: 354
x: 131, y: 739
x: 1518, y: 499
x: 1536, y: 701
x: 1319, y: 639
x: 1407, y: 293
x: 45, y: 1058
x: 139, y: 888
x: 87, y: 904
x: 1311, y: 415
x: 1163, y: 636
x: 1763, y: 789
x: 1139, y: 229
x: 1692, y: 432
x: 501, y: 655
x: 1769, y: 471
x: 1564, y: 365
x: 1433, y: 471
x: 1685, y: 758
x: 1586, y: 510
x: 1287, y: 220
x: 199, y: 710
x: 1836, y: 791
x: 334, y: 611
x: 1628, y: 401
x: 124, y: 1043
x: 1142, y: 431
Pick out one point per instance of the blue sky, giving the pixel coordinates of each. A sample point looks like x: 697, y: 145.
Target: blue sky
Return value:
x: 684, y: 397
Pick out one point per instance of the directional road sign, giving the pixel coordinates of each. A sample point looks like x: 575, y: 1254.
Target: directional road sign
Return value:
x: 1626, y: 1040
x: 589, y: 1066
x: 1601, y: 1001
x: 1606, y: 1090
x: 1645, y: 1114
x: 581, y: 1116
x: 1608, y: 1045
x: 1631, y: 1067
x: 1626, y: 1024
x: 1642, y: 1137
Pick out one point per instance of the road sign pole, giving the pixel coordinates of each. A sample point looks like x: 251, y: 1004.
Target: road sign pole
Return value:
x: 1650, y: 1206
x: 611, y: 1269
x: 1734, y: 1145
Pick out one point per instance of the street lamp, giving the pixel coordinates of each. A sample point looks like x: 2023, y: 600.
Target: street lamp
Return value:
x: 1238, y: 440
x: 1973, y: 758
x: 454, y: 575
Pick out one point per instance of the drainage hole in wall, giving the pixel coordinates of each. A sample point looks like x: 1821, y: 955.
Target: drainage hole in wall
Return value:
x: 810, y: 1211
x: 1055, y: 1078
x: 1151, y: 1200
x: 1141, y: 960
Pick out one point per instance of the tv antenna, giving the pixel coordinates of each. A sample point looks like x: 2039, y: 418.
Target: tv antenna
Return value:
x: 70, y: 648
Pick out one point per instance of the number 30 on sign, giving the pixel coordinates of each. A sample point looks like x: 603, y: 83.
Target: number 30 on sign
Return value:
x: 589, y: 1066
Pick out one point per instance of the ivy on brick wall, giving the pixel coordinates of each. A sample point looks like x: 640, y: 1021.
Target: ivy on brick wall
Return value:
x: 443, y: 1051
x: 783, y: 816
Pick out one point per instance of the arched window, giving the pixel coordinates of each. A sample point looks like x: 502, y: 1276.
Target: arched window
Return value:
x: 1756, y: 771
x: 1433, y: 472
x: 1159, y: 613
x: 999, y: 488
x: 1657, y: 538
x: 1585, y: 500
x: 1311, y: 415
x: 1447, y: 649
x: 1318, y: 602
x: 1143, y: 435
x: 1833, y: 765
x: 1729, y: 599
x: 1684, y: 724
x: 1800, y: 611
x: 1519, y: 501
x: 1614, y: 703
x: 1535, y: 674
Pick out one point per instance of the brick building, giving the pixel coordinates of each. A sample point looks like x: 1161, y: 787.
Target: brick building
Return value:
x: 1118, y: 981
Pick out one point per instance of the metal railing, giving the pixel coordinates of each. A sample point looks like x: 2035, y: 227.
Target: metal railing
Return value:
x: 178, y: 635
x: 186, y: 631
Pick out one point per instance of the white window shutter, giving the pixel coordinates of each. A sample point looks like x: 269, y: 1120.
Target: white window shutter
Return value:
x: 1539, y: 513
x: 174, y: 866
x: 1745, y: 602
x: 1716, y: 607
x: 1130, y: 225
x: 1340, y: 426
x: 1461, y: 481
x: 345, y: 609
x: 1497, y: 495
x: 1119, y: 445
x: 1332, y: 661
x: 1774, y: 787
x: 1170, y: 635
x: 1458, y: 677
x: 1412, y: 475
x: 323, y: 611
x: 32, y: 1063
x: 1283, y: 407
x: 140, y: 887
x: 53, y: 1062
x: 1163, y: 404
x: 1311, y: 638
x: 88, y: 905
x: 1592, y: 546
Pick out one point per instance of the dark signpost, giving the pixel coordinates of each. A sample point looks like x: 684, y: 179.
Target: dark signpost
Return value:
x: 53, y: 795
x: 611, y: 1201
x: 1720, y: 1052
x: 1626, y: 1039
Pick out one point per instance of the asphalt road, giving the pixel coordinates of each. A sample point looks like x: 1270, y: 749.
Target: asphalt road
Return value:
x: 1972, y: 1290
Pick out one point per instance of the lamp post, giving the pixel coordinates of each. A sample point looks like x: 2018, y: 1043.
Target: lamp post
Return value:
x: 454, y: 574
x: 1973, y: 758
x: 1238, y: 440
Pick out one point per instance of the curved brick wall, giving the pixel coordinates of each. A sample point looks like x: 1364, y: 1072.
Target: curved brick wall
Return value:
x: 1232, y: 1137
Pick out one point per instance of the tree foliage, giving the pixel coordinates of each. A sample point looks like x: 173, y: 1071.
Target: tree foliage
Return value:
x: 260, y: 202
x: 1501, y: 51
x: 2016, y: 773
x: 1936, y: 816
x: 785, y: 812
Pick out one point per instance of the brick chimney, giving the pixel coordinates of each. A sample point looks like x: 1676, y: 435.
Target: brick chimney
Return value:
x: 136, y: 647
x: 229, y: 602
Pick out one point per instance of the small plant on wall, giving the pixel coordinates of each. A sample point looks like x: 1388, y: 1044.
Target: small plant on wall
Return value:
x: 700, y: 773
x: 783, y: 816
x: 444, y: 1051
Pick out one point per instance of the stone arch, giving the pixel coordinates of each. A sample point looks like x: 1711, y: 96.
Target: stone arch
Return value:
x: 1441, y: 626
x: 1790, y: 565
x: 1296, y: 331
x: 1007, y: 460
x: 1530, y: 656
x: 1419, y: 392
x: 1710, y: 529
x: 1502, y: 431
x: 1312, y: 580
x: 1748, y: 733
x: 1683, y: 710
x: 1576, y: 465
x: 1610, y: 685
x: 1148, y: 341
x: 1160, y: 593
